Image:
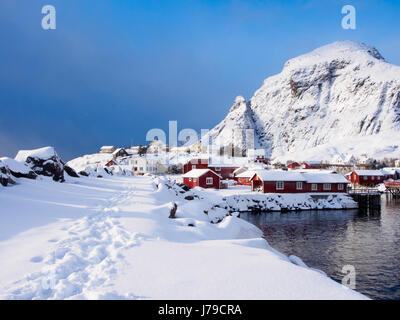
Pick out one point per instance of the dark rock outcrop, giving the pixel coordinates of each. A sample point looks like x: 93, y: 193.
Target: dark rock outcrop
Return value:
x: 70, y: 171
x: 173, y: 211
x: 5, y: 175
x: 51, y: 167
x: 46, y: 162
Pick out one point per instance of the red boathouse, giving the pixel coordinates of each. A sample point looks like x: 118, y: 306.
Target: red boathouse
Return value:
x: 205, y: 178
x: 366, y: 177
x: 269, y: 181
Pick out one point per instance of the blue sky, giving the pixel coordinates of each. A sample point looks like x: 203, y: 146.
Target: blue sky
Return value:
x: 112, y: 70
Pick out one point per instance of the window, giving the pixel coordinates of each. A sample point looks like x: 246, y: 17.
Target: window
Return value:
x: 340, y: 186
x: 209, y: 181
x: 280, y: 185
x: 373, y: 177
x: 193, y: 166
x: 194, y: 180
x: 365, y: 177
x: 141, y: 169
x: 299, y: 185
x: 217, y: 168
x: 314, y: 187
x: 327, y: 186
x: 190, y: 179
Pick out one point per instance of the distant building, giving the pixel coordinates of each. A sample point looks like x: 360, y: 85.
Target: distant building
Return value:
x: 365, y: 177
x: 157, y: 146
x: 195, y: 164
x: 244, y: 178
x: 120, y: 152
x: 112, y: 163
x: 107, y: 149
x: 143, y: 165
x: 204, y: 178
x: 313, y: 165
x: 293, y: 165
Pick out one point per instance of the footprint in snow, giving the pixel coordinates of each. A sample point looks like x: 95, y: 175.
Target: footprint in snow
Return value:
x: 36, y: 259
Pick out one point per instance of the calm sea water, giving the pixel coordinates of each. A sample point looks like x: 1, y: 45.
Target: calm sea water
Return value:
x: 330, y: 239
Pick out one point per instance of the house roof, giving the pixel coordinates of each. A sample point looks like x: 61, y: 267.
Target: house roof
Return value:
x: 198, y: 161
x: 313, y: 162
x: 246, y: 174
x: 279, y: 175
x: 241, y: 170
x: 390, y: 170
x: 325, y: 178
x: 113, y: 161
x: 197, y: 173
x: 312, y: 177
x: 369, y: 172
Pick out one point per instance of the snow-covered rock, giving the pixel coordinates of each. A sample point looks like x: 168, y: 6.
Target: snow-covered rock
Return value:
x: 43, y: 161
x: 5, y: 175
x: 338, y: 101
x: 18, y: 169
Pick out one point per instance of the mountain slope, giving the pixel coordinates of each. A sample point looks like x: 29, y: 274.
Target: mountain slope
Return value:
x: 339, y: 100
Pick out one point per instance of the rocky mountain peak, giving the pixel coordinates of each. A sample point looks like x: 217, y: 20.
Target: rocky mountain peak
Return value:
x: 340, y: 100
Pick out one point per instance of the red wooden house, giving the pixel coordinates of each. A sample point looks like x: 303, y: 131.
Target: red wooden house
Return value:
x: 112, y: 163
x: 312, y: 165
x: 224, y: 170
x: 204, y: 178
x: 294, y: 165
x: 244, y: 178
x: 269, y: 181
x: 365, y: 177
x: 195, y: 164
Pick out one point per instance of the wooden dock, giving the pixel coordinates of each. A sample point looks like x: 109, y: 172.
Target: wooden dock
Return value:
x: 367, y: 199
x: 393, y: 188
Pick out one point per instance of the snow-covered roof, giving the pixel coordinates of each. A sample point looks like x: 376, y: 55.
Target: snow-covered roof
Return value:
x: 114, y: 161
x: 369, y: 172
x: 390, y: 170
x: 246, y: 174
x: 41, y: 153
x: 312, y: 162
x: 311, y: 177
x: 325, y: 178
x: 279, y: 175
x: 197, y: 173
x: 241, y: 169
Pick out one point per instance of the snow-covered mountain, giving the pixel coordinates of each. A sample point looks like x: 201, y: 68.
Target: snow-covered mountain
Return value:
x: 340, y: 100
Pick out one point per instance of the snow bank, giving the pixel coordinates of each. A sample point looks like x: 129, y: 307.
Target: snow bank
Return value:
x: 100, y: 238
x: 284, y: 202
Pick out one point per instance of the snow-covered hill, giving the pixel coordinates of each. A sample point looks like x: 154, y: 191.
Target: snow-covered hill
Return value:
x: 339, y: 100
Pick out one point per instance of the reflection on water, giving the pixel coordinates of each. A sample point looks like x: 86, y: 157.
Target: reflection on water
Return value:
x: 330, y: 239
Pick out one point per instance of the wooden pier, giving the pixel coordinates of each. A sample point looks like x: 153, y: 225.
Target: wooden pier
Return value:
x: 393, y: 188
x: 369, y: 199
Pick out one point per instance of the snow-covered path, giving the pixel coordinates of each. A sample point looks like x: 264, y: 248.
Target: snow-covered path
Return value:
x: 111, y: 238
